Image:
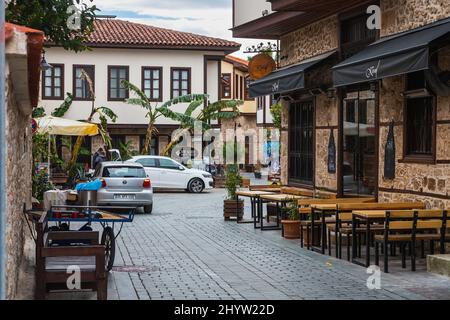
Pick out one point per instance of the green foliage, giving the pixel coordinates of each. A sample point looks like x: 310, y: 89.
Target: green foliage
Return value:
x: 275, y: 110
x: 52, y: 16
x: 233, y: 180
x: 291, y: 210
x: 38, y: 112
x: 40, y: 147
x: 40, y: 184
x: 64, y: 107
x: 127, y: 150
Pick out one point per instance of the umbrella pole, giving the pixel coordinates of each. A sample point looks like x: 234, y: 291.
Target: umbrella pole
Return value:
x: 48, y: 158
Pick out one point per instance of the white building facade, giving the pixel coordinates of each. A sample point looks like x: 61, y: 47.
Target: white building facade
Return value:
x: 163, y: 63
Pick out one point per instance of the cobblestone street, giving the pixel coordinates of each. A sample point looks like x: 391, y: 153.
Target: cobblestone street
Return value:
x: 185, y: 250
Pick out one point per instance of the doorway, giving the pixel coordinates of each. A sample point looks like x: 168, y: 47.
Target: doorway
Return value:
x: 359, y: 169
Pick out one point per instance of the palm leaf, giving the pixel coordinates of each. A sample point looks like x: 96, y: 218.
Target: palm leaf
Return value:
x: 185, y: 99
x: 64, y: 107
x: 193, y: 106
x: 131, y: 87
x: 225, y: 115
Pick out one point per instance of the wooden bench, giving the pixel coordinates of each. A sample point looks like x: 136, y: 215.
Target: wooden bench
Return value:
x: 306, y: 209
x: 344, y: 216
x: 298, y: 192
x: 52, y: 262
x: 406, y: 227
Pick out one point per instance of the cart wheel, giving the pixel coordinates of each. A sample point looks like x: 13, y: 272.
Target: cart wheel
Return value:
x: 109, y: 241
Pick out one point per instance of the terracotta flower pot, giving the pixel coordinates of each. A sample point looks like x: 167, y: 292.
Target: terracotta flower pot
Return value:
x: 291, y: 229
x: 233, y: 209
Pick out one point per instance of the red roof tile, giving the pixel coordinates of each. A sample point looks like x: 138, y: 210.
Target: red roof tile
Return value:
x: 119, y: 33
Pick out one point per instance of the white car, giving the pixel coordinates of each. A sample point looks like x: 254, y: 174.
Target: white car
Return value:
x: 166, y: 173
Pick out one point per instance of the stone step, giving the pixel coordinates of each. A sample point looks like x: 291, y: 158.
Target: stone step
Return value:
x: 439, y: 264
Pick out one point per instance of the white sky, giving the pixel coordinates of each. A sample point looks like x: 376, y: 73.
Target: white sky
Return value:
x: 206, y: 17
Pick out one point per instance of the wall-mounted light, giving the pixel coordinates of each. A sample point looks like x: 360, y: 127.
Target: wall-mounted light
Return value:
x: 44, y: 64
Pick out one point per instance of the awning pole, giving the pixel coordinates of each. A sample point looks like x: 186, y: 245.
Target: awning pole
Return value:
x: 3, y: 149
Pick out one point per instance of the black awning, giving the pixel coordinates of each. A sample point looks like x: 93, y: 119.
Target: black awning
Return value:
x: 286, y: 79
x: 390, y: 56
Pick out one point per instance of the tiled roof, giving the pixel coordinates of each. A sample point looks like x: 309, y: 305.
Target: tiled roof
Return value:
x: 119, y: 33
x: 237, y: 60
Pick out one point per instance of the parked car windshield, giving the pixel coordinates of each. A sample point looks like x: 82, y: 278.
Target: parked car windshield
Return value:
x: 147, y: 162
x: 169, y: 164
x: 123, y: 172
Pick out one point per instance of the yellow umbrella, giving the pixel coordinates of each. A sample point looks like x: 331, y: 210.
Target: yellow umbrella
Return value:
x: 65, y: 127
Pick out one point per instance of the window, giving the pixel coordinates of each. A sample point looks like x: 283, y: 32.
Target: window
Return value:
x: 81, y: 89
x: 116, y: 74
x: 152, y: 83
x: 181, y: 82
x: 53, y: 83
x: 355, y: 35
x: 226, y: 85
x: 154, y: 148
x: 123, y: 172
x: 148, y: 162
x: 419, y: 122
x: 301, y: 143
x: 168, y: 164
x: 117, y: 141
x: 261, y: 103
x: 242, y: 85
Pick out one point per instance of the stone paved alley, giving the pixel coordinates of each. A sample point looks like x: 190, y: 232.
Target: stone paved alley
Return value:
x: 185, y: 250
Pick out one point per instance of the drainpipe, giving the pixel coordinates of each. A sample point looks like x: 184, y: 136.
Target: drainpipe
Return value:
x: 2, y: 152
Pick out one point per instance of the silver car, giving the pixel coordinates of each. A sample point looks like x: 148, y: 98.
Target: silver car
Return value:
x: 124, y: 184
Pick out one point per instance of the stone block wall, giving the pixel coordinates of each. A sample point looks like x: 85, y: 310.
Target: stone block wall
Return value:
x: 423, y: 182
x: 326, y: 120
x: 18, y: 180
x: 310, y: 41
x: 402, y: 15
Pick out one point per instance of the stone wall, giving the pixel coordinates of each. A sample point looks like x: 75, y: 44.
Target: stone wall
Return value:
x: 310, y: 41
x: 402, y: 15
x: 18, y: 191
x: 428, y: 182
x: 326, y: 120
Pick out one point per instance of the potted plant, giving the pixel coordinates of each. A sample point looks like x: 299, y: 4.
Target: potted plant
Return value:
x: 257, y: 171
x: 232, y: 208
x: 292, y: 226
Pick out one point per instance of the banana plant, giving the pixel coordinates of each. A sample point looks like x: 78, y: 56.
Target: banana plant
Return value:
x: 220, y: 110
x: 154, y: 111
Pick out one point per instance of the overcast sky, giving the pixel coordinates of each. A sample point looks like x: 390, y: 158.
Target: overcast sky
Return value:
x: 206, y: 17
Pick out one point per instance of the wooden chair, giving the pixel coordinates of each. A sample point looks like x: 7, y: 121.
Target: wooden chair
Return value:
x: 52, y: 262
x: 406, y: 227
x: 305, y: 210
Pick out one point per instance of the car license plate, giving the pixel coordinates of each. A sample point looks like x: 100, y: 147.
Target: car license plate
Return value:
x: 124, y: 197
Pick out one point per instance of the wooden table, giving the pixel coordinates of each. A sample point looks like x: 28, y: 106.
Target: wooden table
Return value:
x: 369, y: 217
x: 255, y: 204
x: 281, y: 200
x: 324, y: 209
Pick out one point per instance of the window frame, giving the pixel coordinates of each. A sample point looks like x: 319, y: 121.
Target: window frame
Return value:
x: 229, y: 86
x: 127, y: 92
x: 180, y: 81
x: 411, y: 157
x: 151, y: 69
x: 82, y: 66
x: 53, y: 97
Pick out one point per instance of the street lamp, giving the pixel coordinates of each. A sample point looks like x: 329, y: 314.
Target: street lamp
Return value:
x: 44, y: 64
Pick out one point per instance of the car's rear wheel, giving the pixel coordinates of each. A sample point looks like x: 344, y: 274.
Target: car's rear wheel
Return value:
x: 196, y: 186
x: 148, y: 209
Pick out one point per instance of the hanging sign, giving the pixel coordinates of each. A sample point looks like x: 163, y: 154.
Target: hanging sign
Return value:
x: 260, y: 66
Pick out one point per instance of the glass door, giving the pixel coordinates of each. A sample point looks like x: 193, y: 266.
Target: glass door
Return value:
x: 360, y: 163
